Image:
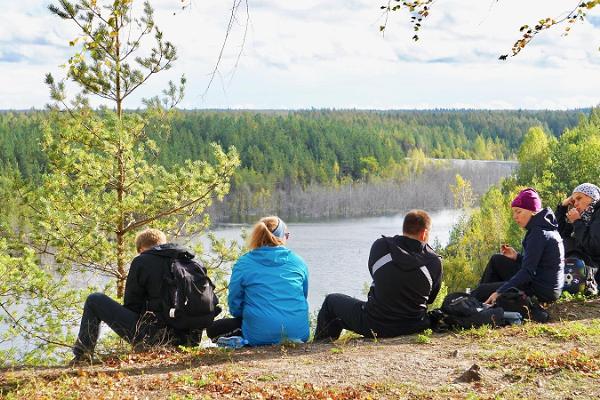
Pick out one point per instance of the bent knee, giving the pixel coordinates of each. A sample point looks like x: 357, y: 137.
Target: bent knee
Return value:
x: 95, y: 298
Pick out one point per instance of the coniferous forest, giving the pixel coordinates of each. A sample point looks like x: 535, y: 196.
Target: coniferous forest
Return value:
x: 291, y: 151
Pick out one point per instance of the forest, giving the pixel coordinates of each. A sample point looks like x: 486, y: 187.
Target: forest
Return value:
x: 298, y: 151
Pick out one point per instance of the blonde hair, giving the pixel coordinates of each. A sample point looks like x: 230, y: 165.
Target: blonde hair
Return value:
x: 262, y: 233
x: 149, y: 238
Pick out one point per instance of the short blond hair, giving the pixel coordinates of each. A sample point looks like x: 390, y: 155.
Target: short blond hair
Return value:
x: 149, y: 238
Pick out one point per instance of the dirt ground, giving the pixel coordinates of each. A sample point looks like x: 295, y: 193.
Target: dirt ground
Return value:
x: 558, y: 360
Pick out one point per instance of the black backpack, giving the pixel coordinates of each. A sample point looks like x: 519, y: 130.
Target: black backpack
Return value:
x: 189, y: 301
x: 516, y: 300
x: 463, y: 311
x: 579, y: 278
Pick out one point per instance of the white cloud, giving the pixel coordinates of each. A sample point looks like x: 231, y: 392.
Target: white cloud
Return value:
x: 318, y: 53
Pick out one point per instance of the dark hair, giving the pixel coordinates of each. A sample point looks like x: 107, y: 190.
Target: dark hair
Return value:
x: 415, y: 222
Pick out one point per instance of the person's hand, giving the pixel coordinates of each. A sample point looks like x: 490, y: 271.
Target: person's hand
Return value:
x: 492, y: 299
x: 573, y: 215
x: 568, y: 201
x: 508, y: 251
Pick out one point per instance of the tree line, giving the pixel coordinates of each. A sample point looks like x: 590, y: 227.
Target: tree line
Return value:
x: 287, y: 148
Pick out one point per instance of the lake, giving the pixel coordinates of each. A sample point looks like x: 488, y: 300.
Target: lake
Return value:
x: 337, y: 252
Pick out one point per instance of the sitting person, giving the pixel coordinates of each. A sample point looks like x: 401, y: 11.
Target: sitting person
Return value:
x: 407, y: 275
x: 538, y: 271
x: 140, y: 319
x: 267, y: 291
x: 579, y: 224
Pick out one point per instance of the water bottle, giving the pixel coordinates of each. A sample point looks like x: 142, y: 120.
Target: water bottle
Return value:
x: 513, y: 318
x: 231, y: 342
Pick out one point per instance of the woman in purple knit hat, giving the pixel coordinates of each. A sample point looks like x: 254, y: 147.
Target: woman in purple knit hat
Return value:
x: 538, y: 270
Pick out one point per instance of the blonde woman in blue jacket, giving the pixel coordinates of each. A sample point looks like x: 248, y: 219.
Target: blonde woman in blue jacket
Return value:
x: 267, y: 290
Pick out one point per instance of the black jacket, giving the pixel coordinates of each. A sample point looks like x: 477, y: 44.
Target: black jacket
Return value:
x: 542, y: 261
x: 143, y: 289
x: 581, y: 240
x: 407, y: 275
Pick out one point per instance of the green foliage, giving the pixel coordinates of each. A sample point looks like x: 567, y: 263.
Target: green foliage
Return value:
x: 534, y: 156
x: 101, y: 183
x: 322, y: 146
x: 425, y: 337
x: 573, y: 160
x: 463, y: 193
x: 440, y: 297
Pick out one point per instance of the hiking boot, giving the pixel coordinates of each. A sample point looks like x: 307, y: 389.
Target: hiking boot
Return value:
x: 81, y: 360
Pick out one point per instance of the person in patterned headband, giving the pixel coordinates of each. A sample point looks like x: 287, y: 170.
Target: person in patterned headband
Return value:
x: 579, y: 224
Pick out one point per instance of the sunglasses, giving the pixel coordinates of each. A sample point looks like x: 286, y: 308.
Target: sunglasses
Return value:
x: 287, y: 235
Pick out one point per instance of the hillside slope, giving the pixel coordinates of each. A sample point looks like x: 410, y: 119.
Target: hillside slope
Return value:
x: 558, y: 360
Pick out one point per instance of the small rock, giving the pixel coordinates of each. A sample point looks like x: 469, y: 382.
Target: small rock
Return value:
x: 454, y: 354
x: 539, y: 383
x: 473, y: 374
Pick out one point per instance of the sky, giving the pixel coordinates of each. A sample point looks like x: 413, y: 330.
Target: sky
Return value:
x: 330, y: 54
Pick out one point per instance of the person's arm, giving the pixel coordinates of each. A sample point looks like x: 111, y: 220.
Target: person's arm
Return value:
x: 134, y: 292
x: 437, y: 283
x: 564, y: 228
x: 236, y: 291
x: 305, y: 282
x: 378, y: 250
x: 588, y: 237
x: 529, y: 261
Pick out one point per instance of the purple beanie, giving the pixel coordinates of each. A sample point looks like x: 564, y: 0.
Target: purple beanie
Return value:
x: 528, y: 199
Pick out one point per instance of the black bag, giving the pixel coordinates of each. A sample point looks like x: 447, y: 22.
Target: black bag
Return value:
x: 579, y: 278
x: 463, y: 311
x: 189, y: 301
x: 516, y: 300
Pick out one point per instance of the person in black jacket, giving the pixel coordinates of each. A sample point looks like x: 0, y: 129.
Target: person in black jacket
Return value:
x: 538, y: 271
x: 138, y: 320
x: 579, y: 224
x: 407, y: 275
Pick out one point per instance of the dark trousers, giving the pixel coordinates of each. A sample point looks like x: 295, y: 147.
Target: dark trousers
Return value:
x: 498, y: 271
x: 224, y: 327
x: 344, y: 312
x: 126, y: 323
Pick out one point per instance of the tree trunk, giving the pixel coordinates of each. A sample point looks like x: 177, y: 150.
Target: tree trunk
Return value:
x: 120, y: 266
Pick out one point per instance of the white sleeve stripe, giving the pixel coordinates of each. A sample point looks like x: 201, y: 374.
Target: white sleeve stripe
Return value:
x: 380, y: 263
x: 425, y: 272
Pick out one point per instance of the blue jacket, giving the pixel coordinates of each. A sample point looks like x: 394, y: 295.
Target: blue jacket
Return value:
x: 543, y: 256
x: 268, y: 290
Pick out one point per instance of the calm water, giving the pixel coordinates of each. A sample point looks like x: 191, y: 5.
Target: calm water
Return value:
x: 337, y: 252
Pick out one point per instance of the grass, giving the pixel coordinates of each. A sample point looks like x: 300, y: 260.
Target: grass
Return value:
x: 571, y: 330
x: 425, y: 337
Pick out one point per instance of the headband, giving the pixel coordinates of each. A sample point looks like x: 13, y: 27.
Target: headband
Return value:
x: 279, y: 230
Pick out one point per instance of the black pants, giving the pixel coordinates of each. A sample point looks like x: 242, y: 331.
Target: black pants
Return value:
x: 344, y: 312
x: 126, y: 323
x: 224, y: 327
x: 498, y: 271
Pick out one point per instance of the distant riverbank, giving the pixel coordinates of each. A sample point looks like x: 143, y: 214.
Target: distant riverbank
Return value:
x: 426, y: 185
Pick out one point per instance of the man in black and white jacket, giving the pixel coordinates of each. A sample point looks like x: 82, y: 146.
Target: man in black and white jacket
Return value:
x: 407, y: 275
